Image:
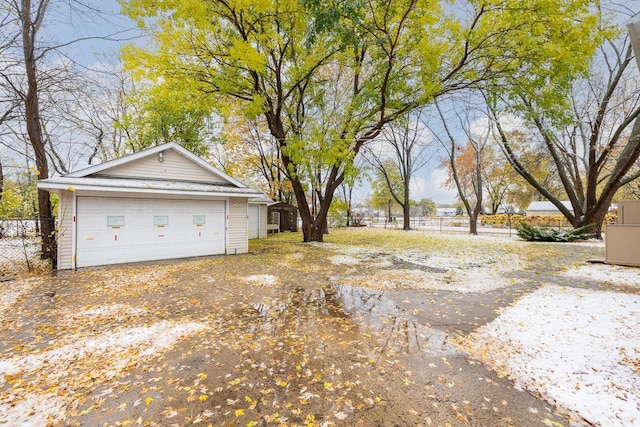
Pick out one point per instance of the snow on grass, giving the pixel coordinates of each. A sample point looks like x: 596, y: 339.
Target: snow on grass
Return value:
x: 104, y: 356
x: 262, y: 279
x: 478, y: 280
x: 469, y: 271
x: 344, y: 260
x: 577, y: 348
x: 614, y: 274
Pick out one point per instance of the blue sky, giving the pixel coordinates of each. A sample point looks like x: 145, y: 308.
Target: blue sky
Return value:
x: 100, y: 19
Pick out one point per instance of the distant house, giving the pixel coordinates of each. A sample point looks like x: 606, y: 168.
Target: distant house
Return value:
x: 546, y: 208
x: 284, y: 216
x: 445, y: 211
x: 163, y: 202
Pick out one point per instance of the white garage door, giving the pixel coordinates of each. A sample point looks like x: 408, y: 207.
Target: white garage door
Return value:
x: 119, y: 230
x: 254, y: 222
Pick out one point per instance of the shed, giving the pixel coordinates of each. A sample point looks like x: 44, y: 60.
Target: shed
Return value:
x: 163, y: 202
x: 284, y: 215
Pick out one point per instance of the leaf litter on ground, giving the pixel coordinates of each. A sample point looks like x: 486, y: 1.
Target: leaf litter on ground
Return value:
x: 69, y: 356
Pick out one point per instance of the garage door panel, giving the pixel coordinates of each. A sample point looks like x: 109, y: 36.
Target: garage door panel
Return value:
x: 140, y: 239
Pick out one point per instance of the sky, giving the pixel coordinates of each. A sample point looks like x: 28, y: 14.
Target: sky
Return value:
x: 99, y: 27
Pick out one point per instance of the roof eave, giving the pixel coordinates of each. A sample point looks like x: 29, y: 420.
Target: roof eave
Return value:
x: 57, y: 187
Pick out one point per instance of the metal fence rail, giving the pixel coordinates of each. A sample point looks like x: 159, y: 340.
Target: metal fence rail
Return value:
x: 20, y: 246
x: 459, y: 224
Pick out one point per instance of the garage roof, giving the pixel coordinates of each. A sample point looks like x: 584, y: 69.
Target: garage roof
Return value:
x: 126, y: 175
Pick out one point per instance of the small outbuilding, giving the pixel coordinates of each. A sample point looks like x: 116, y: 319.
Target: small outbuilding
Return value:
x: 284, y: 216
x: 163, y: 202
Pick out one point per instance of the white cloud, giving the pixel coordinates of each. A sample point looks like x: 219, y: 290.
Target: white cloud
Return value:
x: 431, y: 186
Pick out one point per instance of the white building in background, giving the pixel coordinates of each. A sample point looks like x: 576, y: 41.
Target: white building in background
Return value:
x: 446, y: 211
x: 546, y: 208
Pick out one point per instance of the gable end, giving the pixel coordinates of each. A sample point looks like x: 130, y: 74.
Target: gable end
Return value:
x: 170, y: 166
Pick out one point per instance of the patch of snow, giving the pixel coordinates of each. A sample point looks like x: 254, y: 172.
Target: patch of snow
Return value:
x: 114, y: 311
x: 468, y: 261
x: 478, y: 280
x: 262, y: 279
x: 579, y: 350
x: 12, y: 291
x: 295, y: 256
x: 97, y: 352
x: 147, y: 340
x: 33, y: 410
x: 344, y: 260
x: 478, y: 256
x: 607, y: 273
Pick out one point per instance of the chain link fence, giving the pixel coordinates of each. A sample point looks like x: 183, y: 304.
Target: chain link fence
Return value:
x: 20, y: 247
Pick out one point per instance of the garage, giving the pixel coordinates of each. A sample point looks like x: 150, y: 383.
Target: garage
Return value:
x: 118, y: 230
x: 160, y: 203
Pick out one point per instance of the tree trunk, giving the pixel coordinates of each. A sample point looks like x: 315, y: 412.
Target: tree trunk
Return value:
x: 1, y: 180
x: 347, y: 197
x: 34, y: 128
x: 406, y: 211
x: 406, y: 206
x: 596, y: 218
x: 303, y: 209
x: 473, y: 224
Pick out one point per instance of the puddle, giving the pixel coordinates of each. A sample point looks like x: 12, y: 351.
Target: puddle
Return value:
x: 395, y: 331
x: 343, y: 313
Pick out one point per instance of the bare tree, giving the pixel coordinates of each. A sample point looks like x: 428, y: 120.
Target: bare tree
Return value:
x: 470, y: 187
x: 595, y: 152
x: 402, y: 151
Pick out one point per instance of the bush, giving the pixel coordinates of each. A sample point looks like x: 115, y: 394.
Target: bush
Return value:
x: 546, y: 234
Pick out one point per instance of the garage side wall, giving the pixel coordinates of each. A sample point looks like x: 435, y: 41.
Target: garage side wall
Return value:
x: 65, y: 230
x: 238, y: 226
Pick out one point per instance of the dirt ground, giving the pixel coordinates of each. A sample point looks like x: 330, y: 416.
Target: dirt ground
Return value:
x: 358, y: 331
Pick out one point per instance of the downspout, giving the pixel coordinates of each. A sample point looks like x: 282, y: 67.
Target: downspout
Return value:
x: 74, y: 229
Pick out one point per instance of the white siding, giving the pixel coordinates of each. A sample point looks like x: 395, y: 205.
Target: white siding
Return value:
x: 254, y: 221
x: 263, y: 221
x: 174, y: 167
x: 238, y: 226
x: 257, y: 221
x: 65, y: 230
